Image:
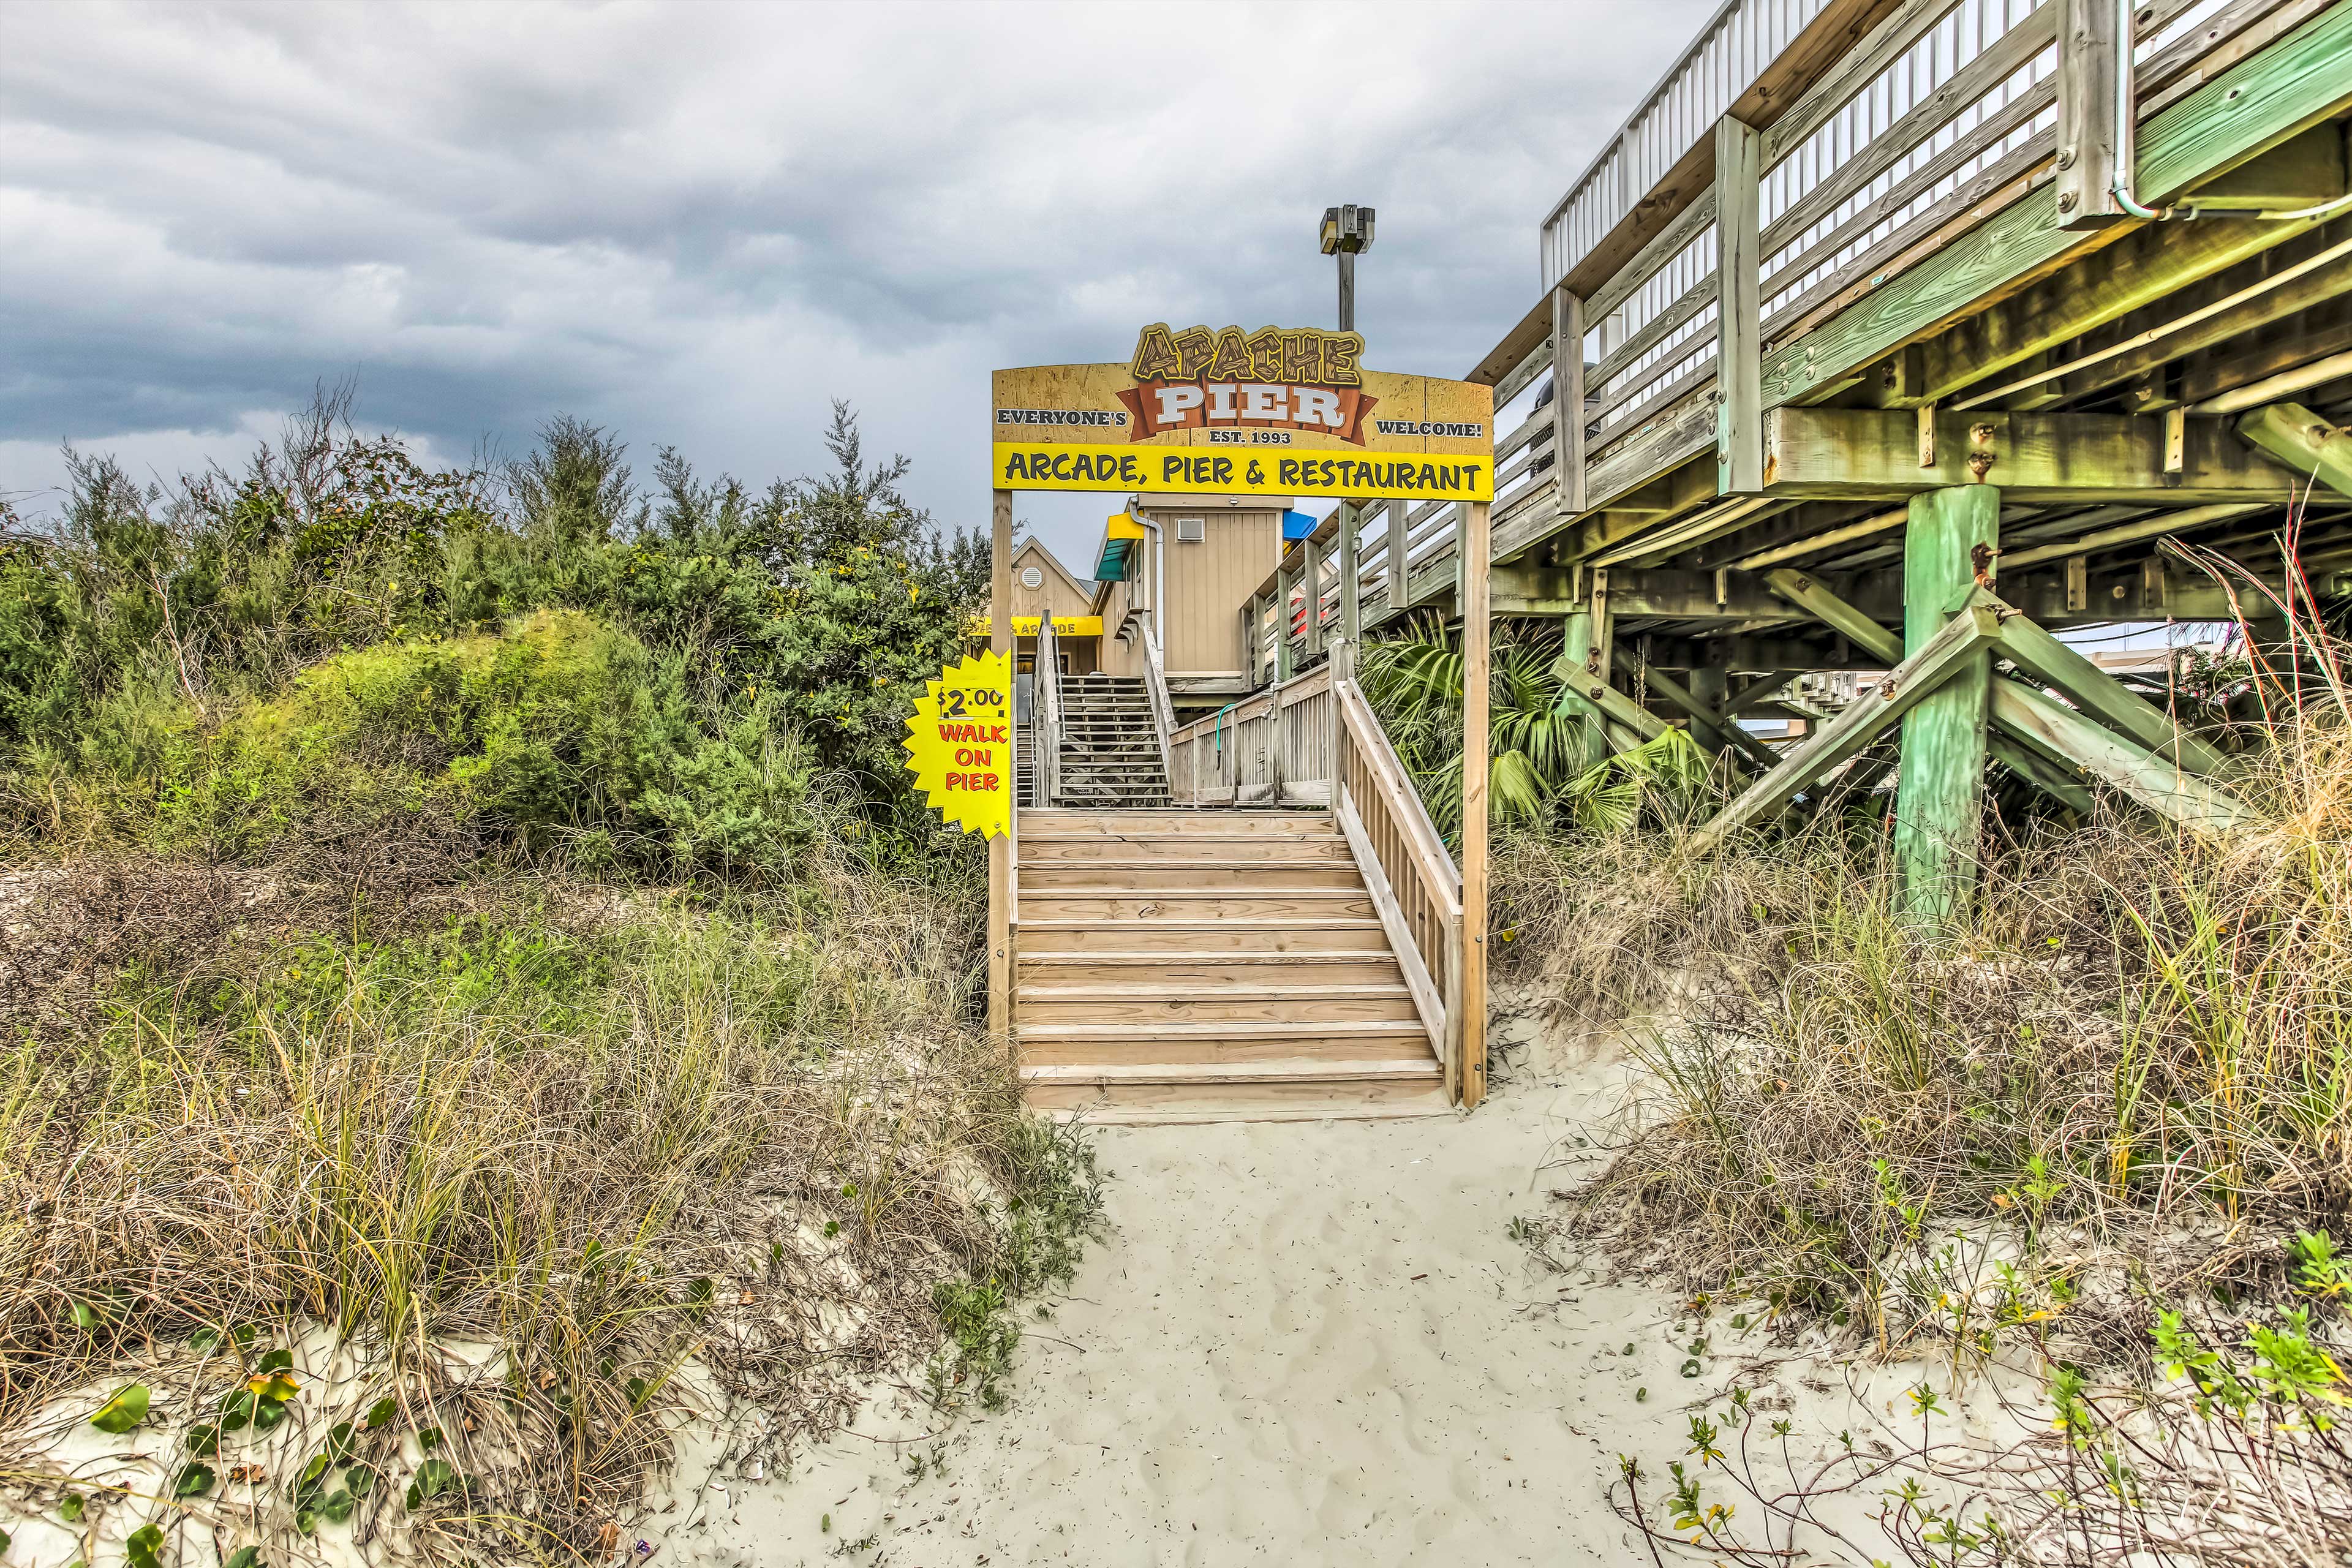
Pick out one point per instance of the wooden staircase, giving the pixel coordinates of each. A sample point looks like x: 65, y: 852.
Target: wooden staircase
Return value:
x: 1201, y: 966
x: 1109, y: 751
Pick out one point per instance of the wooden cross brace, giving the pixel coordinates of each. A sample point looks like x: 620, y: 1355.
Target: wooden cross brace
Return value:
x: 2156, y: 766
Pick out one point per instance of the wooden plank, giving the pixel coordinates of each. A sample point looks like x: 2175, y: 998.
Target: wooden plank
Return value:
x: 2056, y: 780
x: 2161, y: 525
x: 2145, y: 267
x: 1940, y: 804
x: 1831, y: 610
x: 1533, y: 330
x: 1740, y: 349
x: 2306, y: 444
x: 2151, y: 781
x: 2292, y: 286
x: 1831, y: 36
x: 1537, y: 361
x: 1983, y: 196
x: 1568, y: 333
x: 2102, y: 697
x: 1640, y: 392
x: 2296, y: 82
x: 1476, y: 669
x: 1709, y: 728
x: 2033, y: 456
x: 2236, y: 31
x: 1660, y: 327
x: 1001, y: 871
x: 1807, y: 592
x: 2090, y: 73
x: 2009, y: 54
x: 1964, y: 640
x: 1536, y: 424
x: 1853, y: 71
x: 1669, y: 242
x: 1866, y: 527
x: 1667, y: 441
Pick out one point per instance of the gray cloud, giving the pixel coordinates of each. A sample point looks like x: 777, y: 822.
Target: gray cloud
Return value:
x: 697, y: 222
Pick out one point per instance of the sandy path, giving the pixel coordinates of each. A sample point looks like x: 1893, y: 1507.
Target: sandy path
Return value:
x: 1302, y: 1344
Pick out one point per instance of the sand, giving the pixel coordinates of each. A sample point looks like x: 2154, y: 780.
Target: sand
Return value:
x: 1302, y: 1344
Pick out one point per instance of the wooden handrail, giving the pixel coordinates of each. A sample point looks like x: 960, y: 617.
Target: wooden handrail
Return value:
x: 1155, y: 684
x: 1048, y: 671
x: 1429, y: 851
x: 1415, y: 886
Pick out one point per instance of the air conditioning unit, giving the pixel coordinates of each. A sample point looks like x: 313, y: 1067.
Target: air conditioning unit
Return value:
x: 1191, y: 530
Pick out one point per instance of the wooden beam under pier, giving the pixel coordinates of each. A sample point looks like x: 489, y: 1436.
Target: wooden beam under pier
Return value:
x: 1869, y: 453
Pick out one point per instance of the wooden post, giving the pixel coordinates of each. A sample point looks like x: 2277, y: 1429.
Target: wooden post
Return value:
x: 1940, y: 806
x: 1351, y: 608
x: 1576, y: 654
x: 2089, y: 57
x: 1394, y: 569
x: 1311, y: 574
x: 1739, y: 308
x: 1477, y: 594
x: 1284, y: 665
x: 1568, y: 399
x: 1000, y: 851
x: 1249, y: 642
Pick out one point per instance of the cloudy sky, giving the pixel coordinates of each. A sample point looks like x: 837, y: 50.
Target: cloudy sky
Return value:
x: 697, y: 222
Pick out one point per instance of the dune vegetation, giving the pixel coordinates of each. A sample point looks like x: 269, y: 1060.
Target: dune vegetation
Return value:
x: 478, y: 986
x: 2089, y: 1151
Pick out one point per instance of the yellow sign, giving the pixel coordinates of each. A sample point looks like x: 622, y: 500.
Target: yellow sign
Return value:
x: 960, y: 745
x: 1063, y: 468
x: 1275, y: 412
x: 1026, y: 626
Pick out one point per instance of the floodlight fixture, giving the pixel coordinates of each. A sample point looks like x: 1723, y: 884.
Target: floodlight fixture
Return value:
x: 1347, y: 233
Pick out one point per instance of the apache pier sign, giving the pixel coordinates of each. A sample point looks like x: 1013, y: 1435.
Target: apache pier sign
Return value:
x: 1278, y: 411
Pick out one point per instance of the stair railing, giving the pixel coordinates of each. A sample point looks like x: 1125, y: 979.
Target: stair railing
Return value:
x: 1272, y: 749
x: 1155, y: 682
x: 1047, y: 726
x: 1417, y: 888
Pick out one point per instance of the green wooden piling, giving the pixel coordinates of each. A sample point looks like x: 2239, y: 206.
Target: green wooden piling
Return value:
x: 1939, y: 807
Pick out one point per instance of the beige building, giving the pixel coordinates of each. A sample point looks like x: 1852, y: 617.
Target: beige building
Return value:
x: 1185, y: 564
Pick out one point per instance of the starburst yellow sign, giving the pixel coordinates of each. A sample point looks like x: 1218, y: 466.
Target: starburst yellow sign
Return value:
x: 960, y: 745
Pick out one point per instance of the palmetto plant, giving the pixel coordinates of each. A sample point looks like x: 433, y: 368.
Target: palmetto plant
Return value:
x: 1541, y: 769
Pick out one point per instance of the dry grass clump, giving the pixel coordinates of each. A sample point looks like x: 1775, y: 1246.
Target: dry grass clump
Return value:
x: 602, y: 1134
x: 2134, y: 1058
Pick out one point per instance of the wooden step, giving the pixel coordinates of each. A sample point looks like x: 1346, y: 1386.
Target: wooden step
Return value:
x: 1211, y: 1050
x: 1106, y: 1005
x: 1203, y: 974
x: 1137, y: 1042
x: 1197, y: 903
x: 1064, y: 821
x: 1235, y: 1092
x: 1127, y: 876
x: 1185, y: 848
x: 1193, y: 969
x: 1197, y: 937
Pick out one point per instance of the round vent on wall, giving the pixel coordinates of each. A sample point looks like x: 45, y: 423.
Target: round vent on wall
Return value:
x: 1031, y: 577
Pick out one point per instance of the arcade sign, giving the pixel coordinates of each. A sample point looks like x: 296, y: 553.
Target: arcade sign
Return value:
x: 1279, y: 411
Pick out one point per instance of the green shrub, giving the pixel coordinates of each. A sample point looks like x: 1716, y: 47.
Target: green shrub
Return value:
x: 560, y: 732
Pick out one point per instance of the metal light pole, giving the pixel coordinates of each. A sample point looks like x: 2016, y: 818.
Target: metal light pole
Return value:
x: 1347, y: 231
